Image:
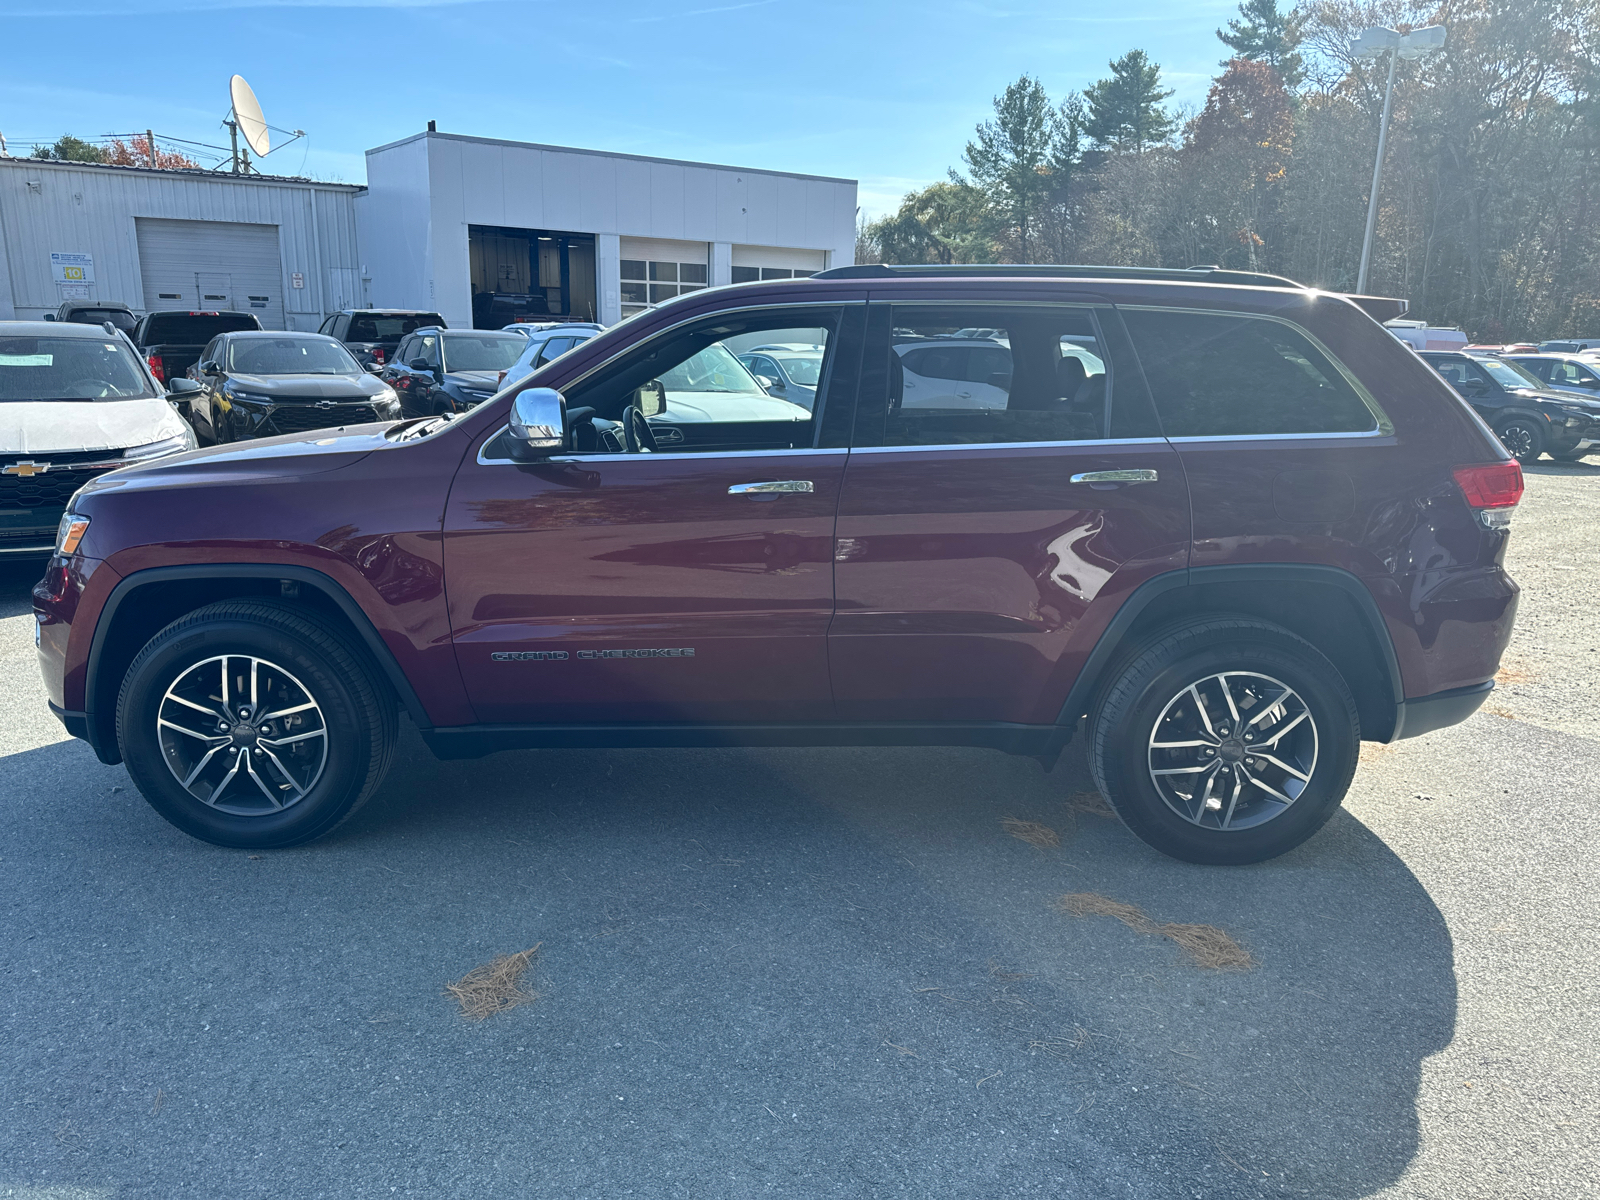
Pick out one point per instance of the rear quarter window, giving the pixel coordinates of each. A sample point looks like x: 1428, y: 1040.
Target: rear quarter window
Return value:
x: 1229, y: 375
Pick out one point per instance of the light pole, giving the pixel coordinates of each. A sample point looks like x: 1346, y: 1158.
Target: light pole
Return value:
x: 1374, y: 43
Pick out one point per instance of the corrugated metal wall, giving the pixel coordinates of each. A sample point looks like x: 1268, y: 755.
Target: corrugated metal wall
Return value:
x: 83, y: 209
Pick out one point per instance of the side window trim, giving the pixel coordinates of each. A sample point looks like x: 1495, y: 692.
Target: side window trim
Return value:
x: 837, y: 389
x: 1383, y: 426
x: 1112, y: 339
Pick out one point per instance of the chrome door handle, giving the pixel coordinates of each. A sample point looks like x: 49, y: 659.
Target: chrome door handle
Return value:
x: 772, y: 488
x: 1140, y: 475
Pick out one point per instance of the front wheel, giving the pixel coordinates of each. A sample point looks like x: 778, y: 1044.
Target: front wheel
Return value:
x: 254, y: 725
x: 1523, y: 439
x: 1228, y: 741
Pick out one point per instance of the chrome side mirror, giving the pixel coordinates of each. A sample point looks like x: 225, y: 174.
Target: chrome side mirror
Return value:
x: 538, y: 424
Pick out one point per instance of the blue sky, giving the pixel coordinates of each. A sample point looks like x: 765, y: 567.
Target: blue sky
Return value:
x: 887, y: 93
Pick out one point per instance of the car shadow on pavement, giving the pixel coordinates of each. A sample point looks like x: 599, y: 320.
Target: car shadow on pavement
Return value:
x: 775, y: 972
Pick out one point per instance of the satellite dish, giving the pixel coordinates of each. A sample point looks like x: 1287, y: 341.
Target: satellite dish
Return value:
x: 247, y: 112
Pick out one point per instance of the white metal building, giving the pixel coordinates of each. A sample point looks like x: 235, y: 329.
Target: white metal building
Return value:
x: 481, y: 231
x: 284, y: 249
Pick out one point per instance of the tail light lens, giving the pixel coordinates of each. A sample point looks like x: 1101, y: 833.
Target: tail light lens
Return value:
x: 157, y: 368
x: 377, y: 354
x: 1492, y: 489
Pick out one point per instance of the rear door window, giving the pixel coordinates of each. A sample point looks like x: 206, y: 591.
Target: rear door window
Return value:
x: 553, y: 348
x: 1231, y: 375
x: 993, y: 374
x: 197, y: 328
x: 378, y: 327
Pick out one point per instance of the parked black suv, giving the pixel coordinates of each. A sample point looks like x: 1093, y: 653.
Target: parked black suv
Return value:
x: 95, y: 312
x: 1528, y: 418
x: 451, y: 370
x: 372, y: 334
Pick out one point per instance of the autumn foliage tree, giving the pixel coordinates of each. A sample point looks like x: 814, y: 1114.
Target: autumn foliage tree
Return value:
x: 144, y: 152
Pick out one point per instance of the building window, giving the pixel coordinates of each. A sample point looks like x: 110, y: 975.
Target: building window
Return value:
x: 646, y: 283
x: 752, y: 274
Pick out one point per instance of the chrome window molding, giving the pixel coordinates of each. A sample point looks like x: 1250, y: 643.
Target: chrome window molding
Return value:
x: 1231, y: 438
x: 1383, y: 427
x: 1077, y: 445
x: 662, y: 456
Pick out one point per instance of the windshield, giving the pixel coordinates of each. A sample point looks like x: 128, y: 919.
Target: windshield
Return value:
x: 1508, y: 375
x: 389, y: 327
x: 290, y: 356
x: 714, y: 369
x: 483, y: 352
x: 59, y: 368
x: 804, y: 370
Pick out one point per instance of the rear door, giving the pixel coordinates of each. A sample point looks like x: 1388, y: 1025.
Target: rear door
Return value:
x: 983, y: 542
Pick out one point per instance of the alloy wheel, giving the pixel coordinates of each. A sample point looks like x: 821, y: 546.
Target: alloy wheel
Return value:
x: 1518, y: 441
x: 242, y: 735
x: 1233, y: 750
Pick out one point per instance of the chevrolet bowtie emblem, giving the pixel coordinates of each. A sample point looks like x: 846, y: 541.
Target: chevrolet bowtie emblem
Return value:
x: 26, y: 468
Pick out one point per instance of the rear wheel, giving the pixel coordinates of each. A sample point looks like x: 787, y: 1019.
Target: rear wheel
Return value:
x: 254, y: 725
x: 1523, y: 439
x: 1229, y: 741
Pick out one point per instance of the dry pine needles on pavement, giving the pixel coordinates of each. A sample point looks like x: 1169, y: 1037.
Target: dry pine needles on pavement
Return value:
x: 496, y: 986
x: 1035, y: 834
x: 1206, y: 945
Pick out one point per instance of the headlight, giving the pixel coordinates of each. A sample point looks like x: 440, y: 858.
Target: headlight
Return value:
x: 171, y: 445
x: 70, y: 532
x: 247, y: 397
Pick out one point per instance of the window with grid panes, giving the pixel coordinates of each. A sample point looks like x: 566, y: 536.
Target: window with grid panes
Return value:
x: 645, y: 282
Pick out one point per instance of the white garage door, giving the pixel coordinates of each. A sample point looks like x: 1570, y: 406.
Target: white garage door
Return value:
x: 211, y: 265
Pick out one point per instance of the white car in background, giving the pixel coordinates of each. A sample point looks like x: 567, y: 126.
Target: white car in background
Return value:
x: 76, y: 401
x: 545, y: 342
x: 962, y: 372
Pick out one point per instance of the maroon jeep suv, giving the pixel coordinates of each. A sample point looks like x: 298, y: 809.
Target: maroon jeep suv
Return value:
x: 1228, y: 525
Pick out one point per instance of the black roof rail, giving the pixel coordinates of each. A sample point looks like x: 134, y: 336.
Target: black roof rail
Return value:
x: 1055, y: 271
x: 1379, y: 308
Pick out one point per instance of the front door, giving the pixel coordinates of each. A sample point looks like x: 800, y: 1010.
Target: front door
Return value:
x: 691, y: 582
x: 975, y: 534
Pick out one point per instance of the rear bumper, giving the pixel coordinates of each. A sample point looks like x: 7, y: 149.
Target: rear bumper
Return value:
x: 1424, y: 714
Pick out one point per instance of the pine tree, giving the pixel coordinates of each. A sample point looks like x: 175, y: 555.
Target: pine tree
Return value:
x: 1021, y: 159
x: 1125, y: 111
x: 70, y: 149
x: 1263, y: 34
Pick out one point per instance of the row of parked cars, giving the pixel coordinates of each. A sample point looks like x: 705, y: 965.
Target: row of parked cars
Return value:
x: 1543, y: 403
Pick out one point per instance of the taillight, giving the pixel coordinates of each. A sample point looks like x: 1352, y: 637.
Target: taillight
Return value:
x: 1492, y: 489
x: 157, y: 368
x: 377, y: 355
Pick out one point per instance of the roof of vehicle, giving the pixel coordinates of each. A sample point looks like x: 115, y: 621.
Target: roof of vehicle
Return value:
x: 455, y: 333
x: 280, y: 333
x: 388, y: 312
x: 200, y: 312
x: 532, y: 327
x: 1558, y: 355
x: 1379, y: 308
x: 116, y: 304
x: 51, y: 329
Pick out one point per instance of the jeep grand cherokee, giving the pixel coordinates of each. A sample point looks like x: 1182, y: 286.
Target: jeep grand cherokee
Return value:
x: 1247, y: 533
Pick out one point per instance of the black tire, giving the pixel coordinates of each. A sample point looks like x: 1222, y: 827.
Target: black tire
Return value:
x: 354, y: 706
x: 1124, y: 724
x: 1523, y: 439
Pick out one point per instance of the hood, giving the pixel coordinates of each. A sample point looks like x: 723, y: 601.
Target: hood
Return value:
x: 288, y: 388
x: 690, y: 408
x: 289, y: 456
x: 473, y: 379
x: 64, y: 426
x: 1557, y: 396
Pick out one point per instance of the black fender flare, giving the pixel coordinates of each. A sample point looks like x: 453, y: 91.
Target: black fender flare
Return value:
x: 1112, y: 642
x: 101, y: 730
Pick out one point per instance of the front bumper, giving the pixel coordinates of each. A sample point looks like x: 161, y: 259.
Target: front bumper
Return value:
x: 29, y: 532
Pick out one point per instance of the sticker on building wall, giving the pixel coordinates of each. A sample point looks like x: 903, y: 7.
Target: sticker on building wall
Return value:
x: 74, y: 291
x: 296, y: 279
x: 71, y: 268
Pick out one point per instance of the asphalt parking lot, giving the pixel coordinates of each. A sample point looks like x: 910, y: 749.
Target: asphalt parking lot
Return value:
x: 801, y: 973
